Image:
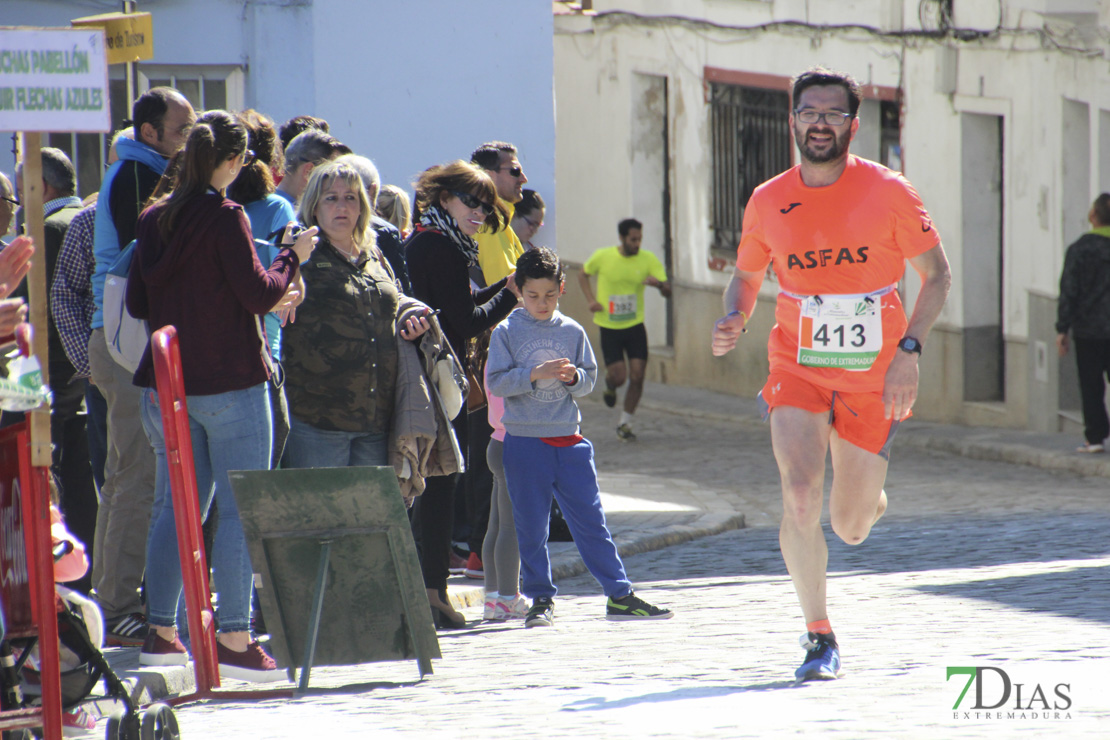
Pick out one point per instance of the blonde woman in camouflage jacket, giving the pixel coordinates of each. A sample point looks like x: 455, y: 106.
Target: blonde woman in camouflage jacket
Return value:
x: 340, y: 351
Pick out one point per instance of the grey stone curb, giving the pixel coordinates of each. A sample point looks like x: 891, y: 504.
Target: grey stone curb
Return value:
x: 1095, y: 466
x: 635, y: 544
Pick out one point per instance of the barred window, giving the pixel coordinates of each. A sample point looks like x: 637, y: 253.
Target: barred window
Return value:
x: 751, y: 144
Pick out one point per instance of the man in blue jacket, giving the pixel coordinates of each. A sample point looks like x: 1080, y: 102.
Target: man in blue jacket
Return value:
x: 161, y: 120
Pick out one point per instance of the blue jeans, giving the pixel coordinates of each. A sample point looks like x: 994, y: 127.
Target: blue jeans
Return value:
x: 230, y: 431
x: 536, y: 471
x: 310, y: 447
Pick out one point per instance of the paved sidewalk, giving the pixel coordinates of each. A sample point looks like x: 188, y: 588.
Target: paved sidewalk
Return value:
x: 652, y: 503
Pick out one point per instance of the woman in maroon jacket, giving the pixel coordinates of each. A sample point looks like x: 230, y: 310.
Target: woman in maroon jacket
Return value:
x: 196, y: 268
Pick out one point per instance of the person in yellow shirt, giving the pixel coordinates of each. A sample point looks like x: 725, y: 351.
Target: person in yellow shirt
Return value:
x: 618, y: 308
x: 498, y: 250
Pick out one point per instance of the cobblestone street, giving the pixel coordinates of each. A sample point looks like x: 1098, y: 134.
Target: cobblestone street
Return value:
x: 977, y: 563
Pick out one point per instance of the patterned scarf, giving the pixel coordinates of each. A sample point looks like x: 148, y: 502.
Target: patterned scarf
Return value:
x: 437, y: 219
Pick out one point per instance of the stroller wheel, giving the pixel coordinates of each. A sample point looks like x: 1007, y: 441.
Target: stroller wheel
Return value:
x: 122, y: 726
x: 159, y: 723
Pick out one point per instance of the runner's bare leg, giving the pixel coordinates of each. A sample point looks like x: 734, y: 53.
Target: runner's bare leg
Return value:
x: 636, y: 370
x: 857, y: 499
x: 800, y: 440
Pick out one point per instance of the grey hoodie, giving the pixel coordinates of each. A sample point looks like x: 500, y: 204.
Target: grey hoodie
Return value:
x: 545, y: 408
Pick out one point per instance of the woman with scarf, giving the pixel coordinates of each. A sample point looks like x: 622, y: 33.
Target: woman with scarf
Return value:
x: 453, y: 201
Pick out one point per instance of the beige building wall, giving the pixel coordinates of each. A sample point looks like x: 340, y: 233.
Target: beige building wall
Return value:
x: 1006, y: 137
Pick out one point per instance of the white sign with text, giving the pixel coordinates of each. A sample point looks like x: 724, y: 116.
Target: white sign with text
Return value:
x: 53, y: 79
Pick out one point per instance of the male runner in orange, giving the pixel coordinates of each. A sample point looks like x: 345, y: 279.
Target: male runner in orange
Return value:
x: 838, y: 230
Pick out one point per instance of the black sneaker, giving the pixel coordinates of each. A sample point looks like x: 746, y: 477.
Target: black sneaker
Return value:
x: 542, y: 613
x: 624, y: 432
x: 130, y: 630
x: 632, y: 607
x: 610, y: 397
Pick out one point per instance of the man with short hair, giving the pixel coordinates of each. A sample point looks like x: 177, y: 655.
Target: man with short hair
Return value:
x: 618, y: 308
x: 67, y: 424
x: 839, y: 231
x: 162, y: 119
x: 304, y: 153
x: 1084, y: 310
x: 298, y: 125
x: 499, y: 250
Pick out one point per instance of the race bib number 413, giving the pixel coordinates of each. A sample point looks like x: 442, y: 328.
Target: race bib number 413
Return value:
x: 840, y: 332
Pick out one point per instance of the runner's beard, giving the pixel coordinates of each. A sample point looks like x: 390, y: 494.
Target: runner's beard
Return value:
x: 838, y: 148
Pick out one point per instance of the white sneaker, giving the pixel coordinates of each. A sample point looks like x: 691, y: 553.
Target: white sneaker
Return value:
x: 490, y: 610
x: 514, y: 607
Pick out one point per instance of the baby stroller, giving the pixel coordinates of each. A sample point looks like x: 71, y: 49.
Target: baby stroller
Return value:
x: 83, y: 668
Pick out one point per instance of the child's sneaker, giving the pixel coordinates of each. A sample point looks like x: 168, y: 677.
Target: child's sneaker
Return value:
x: 822, y: 661
x: 633, y: 607
x: 542, y: 613
x: 490, y: 610
x: 77, y: 723
x: 512, y: 607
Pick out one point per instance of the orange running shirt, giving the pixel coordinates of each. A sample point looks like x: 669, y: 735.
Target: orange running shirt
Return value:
x: 850, y: 237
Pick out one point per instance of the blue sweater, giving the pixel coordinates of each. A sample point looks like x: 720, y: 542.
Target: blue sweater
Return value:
x: 112, y: 231
x: 545, y: 408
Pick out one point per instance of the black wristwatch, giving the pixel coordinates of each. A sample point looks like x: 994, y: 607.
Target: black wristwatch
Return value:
x: 909, y: 344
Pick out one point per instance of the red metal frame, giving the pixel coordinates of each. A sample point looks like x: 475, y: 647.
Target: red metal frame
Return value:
x: 35, y: 513
x: 186, y: 509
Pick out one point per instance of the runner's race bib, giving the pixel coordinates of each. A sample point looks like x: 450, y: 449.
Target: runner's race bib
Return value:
x: 844, y: 332
x: 622, y: 307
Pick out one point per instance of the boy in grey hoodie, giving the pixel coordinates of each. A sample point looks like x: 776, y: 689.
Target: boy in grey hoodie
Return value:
x: 539, y: 360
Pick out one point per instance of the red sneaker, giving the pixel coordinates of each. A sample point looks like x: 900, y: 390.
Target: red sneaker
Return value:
x: 159, y: 652
x: 251, y: 665
x: 474, y: 567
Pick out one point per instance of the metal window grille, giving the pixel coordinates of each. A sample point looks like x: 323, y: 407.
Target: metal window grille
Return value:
x: 751, y: 144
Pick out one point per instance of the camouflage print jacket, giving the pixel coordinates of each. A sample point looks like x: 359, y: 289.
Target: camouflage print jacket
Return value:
x: 340, y: 355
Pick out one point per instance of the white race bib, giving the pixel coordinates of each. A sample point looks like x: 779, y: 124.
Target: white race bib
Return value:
x: 844, y: 332
x: 622, y: 307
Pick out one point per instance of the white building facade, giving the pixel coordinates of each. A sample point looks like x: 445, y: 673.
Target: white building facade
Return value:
x: 998, y: 113
x: 407, y: 84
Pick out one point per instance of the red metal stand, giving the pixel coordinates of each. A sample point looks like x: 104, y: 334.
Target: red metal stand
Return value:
x: 28, y: 586
x: 186, y: 509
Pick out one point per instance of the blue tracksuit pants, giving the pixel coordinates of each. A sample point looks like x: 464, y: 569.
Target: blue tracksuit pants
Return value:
x: 535, y: 471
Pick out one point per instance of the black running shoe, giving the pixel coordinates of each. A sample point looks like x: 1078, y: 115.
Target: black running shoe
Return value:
x: 542, y: 613
x: 632, y: 607
x: 610, y: 397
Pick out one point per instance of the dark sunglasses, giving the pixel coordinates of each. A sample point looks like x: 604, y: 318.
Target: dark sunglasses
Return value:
x: 516, y: 170
x: 471, y: 201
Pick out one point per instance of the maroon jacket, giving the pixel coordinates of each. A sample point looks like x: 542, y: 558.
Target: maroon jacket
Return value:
x: 206, y: 281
